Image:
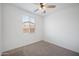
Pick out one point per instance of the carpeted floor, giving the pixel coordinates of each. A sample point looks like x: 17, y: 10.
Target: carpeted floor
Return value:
x: 40, y: 48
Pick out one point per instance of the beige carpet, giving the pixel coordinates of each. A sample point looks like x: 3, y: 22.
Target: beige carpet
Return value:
x: 40, y: 48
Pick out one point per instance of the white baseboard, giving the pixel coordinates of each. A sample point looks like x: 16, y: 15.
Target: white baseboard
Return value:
x: 61, y: 46
x: 21, y: 45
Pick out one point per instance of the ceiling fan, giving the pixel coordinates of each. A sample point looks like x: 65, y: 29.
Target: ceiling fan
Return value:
x: 43, y: 7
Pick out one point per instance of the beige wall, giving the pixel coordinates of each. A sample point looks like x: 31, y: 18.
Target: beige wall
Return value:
x: 13, y: 36
x: 62, y: 28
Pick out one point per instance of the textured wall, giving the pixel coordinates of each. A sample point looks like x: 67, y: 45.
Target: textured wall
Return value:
x: 13, y: 36
x: 62, y: 28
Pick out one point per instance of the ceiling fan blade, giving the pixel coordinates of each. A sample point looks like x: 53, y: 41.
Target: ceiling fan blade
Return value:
x: 36, y: 10
x: 51, y: 6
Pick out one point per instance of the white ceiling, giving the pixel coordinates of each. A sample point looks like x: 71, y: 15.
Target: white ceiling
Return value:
x: 32, y: 6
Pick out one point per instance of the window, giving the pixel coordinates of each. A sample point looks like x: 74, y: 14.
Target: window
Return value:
x: 28, y: 24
